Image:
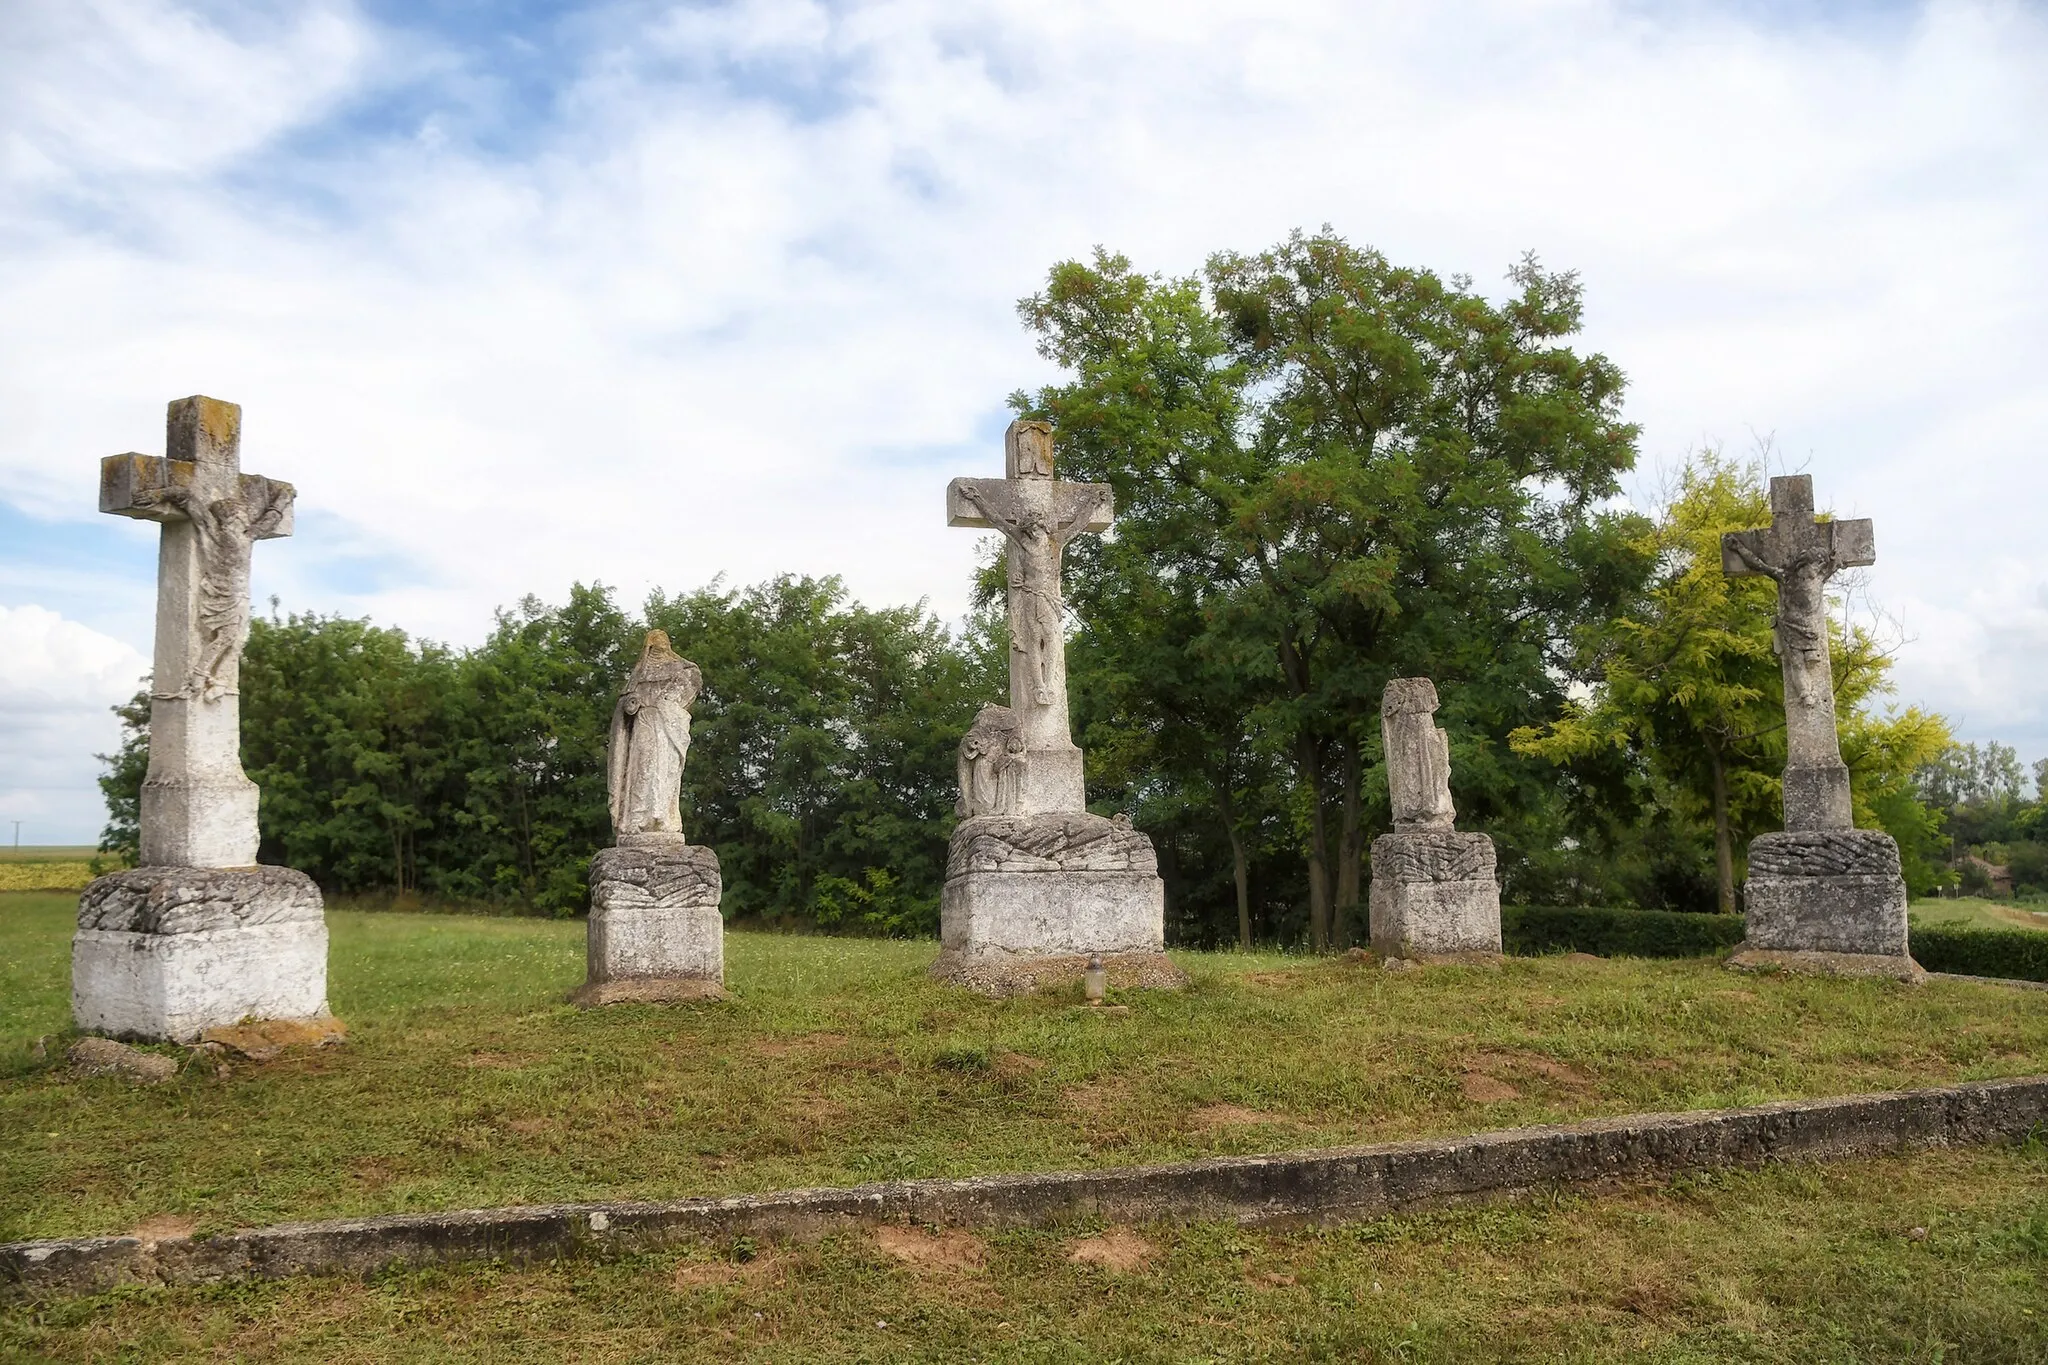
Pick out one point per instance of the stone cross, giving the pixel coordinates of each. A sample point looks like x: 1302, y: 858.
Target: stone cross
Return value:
x: 198, y: 806
x: 1800, y: 554
x: 1040, y: 515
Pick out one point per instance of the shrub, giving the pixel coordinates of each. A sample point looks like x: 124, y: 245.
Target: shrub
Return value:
x: 1531, y: 929
x: 2016, y: 954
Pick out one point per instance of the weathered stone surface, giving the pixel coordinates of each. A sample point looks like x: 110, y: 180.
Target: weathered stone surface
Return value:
x: 1433, y: 855
x: 1030, y: 873
x: 1072, y: 842
x: 1824, y: 853
x: 1826, y: 892
x: 193, y: 900
x: 655, y: 931
x: 665, y: 877
x: 649, y: 743
x: 1418, y: 755
x: 168, y: 952
x: 105, y: 1057
x: 1800, y: 554
x: 1341, y: 1184
x: 1434, y: 895
x: 1053, y: 913
x: 1822, y: 896
x: 198, y: 806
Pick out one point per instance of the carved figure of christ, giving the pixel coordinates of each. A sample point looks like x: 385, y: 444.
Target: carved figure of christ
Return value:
x: 199, y: 808
x: 1800, y: 554
x: 1040, y: 516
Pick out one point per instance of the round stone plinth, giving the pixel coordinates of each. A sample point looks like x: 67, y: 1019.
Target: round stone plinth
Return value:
x: 1020, y: 973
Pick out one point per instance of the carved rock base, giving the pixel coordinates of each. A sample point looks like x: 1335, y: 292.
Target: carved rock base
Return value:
x: 166, y: 953
x: 1824, y: 901
x: 655, y: 932
x: 1025, y: 893
x: 1435, y: 897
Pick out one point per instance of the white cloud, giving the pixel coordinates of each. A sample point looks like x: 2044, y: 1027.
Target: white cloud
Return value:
x: 739, y: 298
x: 57, y: 681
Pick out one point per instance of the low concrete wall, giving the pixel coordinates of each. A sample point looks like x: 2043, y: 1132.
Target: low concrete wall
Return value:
x: 1330, y: 1185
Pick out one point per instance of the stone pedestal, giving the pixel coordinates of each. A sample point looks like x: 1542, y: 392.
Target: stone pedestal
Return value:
x: 1826, y: 900
x: 169, y: 952
x: 1029, y: 898
x: 656, y: 933
x: 1435, y: 897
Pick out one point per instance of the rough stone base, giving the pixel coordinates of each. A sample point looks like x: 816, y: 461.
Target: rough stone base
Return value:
x: 1020, y: 974
x: 655, y: 931
x: 165, y: 953
x: 1434, y: 897
x: 1826, y: 894
x: 1887, y: 966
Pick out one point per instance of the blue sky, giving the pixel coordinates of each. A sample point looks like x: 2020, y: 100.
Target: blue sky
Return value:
x: 521, y: 294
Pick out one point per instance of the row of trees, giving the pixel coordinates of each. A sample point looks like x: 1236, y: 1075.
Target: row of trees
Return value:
x: 1991, y: 825
x: 1330, y: 471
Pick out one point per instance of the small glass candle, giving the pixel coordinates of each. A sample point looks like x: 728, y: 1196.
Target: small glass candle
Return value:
x: 1095, y: 980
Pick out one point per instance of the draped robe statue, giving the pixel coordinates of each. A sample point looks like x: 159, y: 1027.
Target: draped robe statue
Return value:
x: 650, y: 738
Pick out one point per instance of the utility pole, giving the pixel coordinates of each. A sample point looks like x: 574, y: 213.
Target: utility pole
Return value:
x: 17, y: 834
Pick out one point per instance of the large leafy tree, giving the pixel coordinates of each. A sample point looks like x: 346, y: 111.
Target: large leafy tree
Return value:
x: 1338, y: 471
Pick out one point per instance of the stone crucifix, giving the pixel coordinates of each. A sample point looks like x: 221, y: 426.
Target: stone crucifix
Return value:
x: 1800, y: 554
x: 1040, y: 516
x: 198, y: 806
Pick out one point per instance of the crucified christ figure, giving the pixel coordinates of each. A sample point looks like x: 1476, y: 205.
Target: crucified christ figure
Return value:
x: 227, y: 528
x: 1037, y: 543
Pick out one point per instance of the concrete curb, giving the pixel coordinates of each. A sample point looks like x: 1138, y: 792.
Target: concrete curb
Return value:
x: 1330, y: 1185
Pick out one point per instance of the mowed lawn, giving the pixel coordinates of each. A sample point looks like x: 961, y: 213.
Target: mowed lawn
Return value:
x: 1938, y: 1256
x: 1972, y: 912
x: 467, y: 1081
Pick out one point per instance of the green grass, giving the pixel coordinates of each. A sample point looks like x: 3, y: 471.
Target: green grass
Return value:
x: 467, y: 1081
x: 48, y: 853
x: 1791, y: 1263
x: 1971, y: 912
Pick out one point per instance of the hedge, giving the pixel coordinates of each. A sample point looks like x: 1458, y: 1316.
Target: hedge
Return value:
x: 2017, y: 954
x: 1527, y: 930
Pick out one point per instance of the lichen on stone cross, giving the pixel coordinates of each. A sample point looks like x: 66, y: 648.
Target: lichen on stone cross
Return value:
x: 198, y: 807
x: 1800, y: 553
x: 1040, y: 516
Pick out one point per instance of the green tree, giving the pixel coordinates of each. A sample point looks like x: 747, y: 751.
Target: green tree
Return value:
x: 1365, y: 471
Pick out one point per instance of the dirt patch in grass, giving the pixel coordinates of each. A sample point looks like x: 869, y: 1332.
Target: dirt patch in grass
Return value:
x: 1213, y: 1116
x: 1013, y: 1067
x: 803, y: 1045
x: 1481, y: 1088
x: 1497, y: 1064
x: 724, y: 1274
x: 165, y: 1227
x: 948, y: 1251
x: 1118, y: 1249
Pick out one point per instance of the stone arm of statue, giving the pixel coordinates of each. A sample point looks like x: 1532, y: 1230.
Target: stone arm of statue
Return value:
x: 1750, y: 557
x: 1009, y: 526
x: 170, y: 495
x: 1082, y: 514
x: 277, y: 501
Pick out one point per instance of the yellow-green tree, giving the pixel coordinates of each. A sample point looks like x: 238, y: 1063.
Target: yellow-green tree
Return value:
x: 1689, y: 686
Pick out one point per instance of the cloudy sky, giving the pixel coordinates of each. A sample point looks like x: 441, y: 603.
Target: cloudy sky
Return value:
x: 524, y: 293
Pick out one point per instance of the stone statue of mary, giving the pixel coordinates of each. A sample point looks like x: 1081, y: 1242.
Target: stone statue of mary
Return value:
x: 650, y: 738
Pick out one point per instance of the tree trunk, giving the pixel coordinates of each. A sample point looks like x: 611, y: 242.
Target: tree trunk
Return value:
x: 1724, y: 838
x: 1308, y: 753
x: 1240, y: 871
x: 1350, y: 854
